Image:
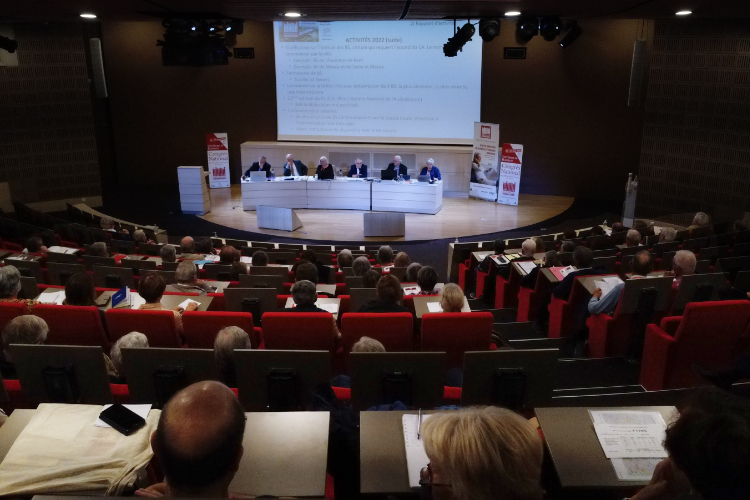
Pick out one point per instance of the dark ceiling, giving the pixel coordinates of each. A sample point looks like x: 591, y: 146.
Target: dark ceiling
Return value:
x: 332, y: 10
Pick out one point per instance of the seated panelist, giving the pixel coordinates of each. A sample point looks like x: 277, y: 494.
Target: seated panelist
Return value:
x: 325, y: 170
x: 431, y: 169
x: 294, y: 167
x: 397, y: 166
x: 358, y: 169
x: 258, y: 166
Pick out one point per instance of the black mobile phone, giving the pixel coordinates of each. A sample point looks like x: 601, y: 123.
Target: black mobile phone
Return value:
x: 122, y: 419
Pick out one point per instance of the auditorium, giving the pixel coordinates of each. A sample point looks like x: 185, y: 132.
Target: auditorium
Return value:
x: 450, y: 250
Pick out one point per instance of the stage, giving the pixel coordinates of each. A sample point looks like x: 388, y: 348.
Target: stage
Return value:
x: 459, y: 217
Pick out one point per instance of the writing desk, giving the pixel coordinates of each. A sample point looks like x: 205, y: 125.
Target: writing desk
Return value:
x: 321, y: 300
x: 285, y: 452
x: 382, y: 453
x: 575, y: 450
x: 168, y: 301
x: 421, y: 301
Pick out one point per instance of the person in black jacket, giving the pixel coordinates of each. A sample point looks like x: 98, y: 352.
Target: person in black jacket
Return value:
x: 258, y: 166
x: 390, y: 295
x: 325, y: 170
x: 294, y: 167
x: 550, y: 260
x: 397, y: 168
x: 359, y: 169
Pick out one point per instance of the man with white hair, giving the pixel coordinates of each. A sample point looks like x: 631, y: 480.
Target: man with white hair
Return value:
x: 131, y: 340
x: 294, y: 167
x: 168, y: 253
x: 259, y: 166
x: 683, y: 264
x: 396, y: 168
x: 667, y: 235
x: 324, y: 170
x: 701, y: 219
x: 633, y: 238
x: 186, y: 276
x: 431, y: 169
x: 27, y: 330
x: 139, y: 236
x: 528, y: 248
x: 359, y: 169
x: 227, y: 340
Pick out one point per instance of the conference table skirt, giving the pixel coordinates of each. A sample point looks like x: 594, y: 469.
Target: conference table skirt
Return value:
x: 344, y: 194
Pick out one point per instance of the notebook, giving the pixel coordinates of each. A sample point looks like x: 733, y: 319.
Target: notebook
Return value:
x: 416, y: 458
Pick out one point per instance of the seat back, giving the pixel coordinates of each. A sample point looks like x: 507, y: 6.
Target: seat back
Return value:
x: 360, y: 297
x: 298, y: 331
x: 282, y: 271
x: 149, y: 248
x: 394, y: 330
x: 169, y: 276
x: 280, y: 257
x: 59, y: 272
x: 10, y: 310
x: 456, y: 333
x: 73, y: 325
x: 28, y: 268
x: 123, y: 246
x: 234, y: 299
x: 136, y: 264
x: 29, y: 288
x: 398, y: 272
x: 217, y: 271
x: 353, y: 282
x: 113, y: 277
x: 91, y: 260
x: 158, y: 326
x: 709, y: 335
x: 65, y: 258
x: 201, y: 327
x: 256, y: 281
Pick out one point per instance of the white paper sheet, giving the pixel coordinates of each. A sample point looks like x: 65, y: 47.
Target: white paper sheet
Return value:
x: 607, y: 284
x: 412, y: 290
x: 567, y: 270
x: 434, y: 307
x: 136, y: 300
x: 58, y: 249
x: 211, y: 258
x: 527, y: 265
x: 246, y: 260
x: 635, y: 469
x: 140, y: 410
x: 187, y: 302
x: 416, y: 458
x: 52, y: 298
x: 630, y: 434
x: 331, y: 308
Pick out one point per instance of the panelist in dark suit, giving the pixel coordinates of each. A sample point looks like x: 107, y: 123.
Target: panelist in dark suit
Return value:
x: 358, y: 169
x: 397, y: 165
x: 431, y: 169
x: 294, y: 167
x: 325, y: 170
x: 259, y: 165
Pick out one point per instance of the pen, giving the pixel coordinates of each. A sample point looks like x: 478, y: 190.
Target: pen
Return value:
x: 419, y: 426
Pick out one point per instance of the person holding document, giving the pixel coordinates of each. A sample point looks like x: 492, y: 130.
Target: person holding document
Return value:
x: 259, y: 166
x: 431, y: 169
x: 325, y: 170
x: 358, y: 169
x: 397, y: 168
x: 294, y: 167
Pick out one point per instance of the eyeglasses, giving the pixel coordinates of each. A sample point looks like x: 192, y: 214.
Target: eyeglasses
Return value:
x: 426, y: 484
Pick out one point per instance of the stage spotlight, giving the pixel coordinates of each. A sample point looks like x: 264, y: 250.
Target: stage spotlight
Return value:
x: 570, y: 36
x: 454, y: 44
x: 489, y: 29
x: 527, y: 28
x: 549, y: 28
x: 8, y: 44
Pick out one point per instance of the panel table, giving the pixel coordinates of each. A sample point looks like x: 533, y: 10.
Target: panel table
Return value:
x: 338, y: 194
x: 276, y: 193
x: 410, y: 197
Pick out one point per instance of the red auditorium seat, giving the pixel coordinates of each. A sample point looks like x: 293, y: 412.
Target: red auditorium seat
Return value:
x: 456, y: 333
x: 709, y: 334
x: 298, y: 331
x: 528, y: 298
x: 563, y: 314
x: 502, y: 292
x: 158, y: 326
x: 463, y: 275
x: 73, y: 325
x: 201, y: 327
x: 479, y: 288
x: 10, y: 310
x: 394, y: 330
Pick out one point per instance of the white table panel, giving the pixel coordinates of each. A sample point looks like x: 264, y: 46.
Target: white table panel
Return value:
x: 285, y: 194
x: 338, y: 194
x: 407, y: 197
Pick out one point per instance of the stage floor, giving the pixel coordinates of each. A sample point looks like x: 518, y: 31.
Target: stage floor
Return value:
x: 459, y: 217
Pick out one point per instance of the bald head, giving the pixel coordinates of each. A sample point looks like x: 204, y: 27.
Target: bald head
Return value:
x: 187, y: 245
x: 199, y: 438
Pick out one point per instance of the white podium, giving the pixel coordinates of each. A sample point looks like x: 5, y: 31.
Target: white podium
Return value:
x: 277, y: 218
x: 194, y: 198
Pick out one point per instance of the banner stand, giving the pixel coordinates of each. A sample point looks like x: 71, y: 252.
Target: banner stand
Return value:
x: 484, y: 161
x: 510, y: 174
x: 218, y: 160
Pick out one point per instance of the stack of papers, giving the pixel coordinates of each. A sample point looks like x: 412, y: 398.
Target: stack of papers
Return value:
x: 416, y: 458
x: 187, y: 302
x: 58, y: 249
x: 434, y: 307
x: 211, y: 258
x: 527, y: 265
x: 331, y: 308
x: 607, y: 284
x: 632, y: 440
x: 246, y: 260
x: 52, y: 297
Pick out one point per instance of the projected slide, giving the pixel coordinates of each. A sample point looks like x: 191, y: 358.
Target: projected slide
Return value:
x: 375, y: 82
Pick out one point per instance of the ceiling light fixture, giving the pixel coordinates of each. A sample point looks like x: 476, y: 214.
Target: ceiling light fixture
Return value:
x: 684, y: 12
x: 88, y: 16
x: 292, y: 14
x: 512, y: 13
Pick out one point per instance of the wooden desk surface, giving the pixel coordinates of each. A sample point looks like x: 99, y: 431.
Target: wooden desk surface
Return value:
x: 382, y: 453
x: 290, y: 303
x: 330, y: 289
x: 576, y: 452
x: 219, y: 285
x: 169, y: 301
x: 285, y: 452
x: 421, y: 301
x: 22, y: 257
x: 549, y: 275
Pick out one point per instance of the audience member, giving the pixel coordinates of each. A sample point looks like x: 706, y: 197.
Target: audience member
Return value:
x: 305, y: 295
x: 187, y: 245
x: 35, y: 245
x: 412, y: 271
x: 98, y: 249
x: 131, y: 340
x: 238, y: 268
x: 540, y: 245
x: 701, y: 219
x: 633, y: 238
x: 528, y: 248
x: 570, y: 234
x: 498, y: 248
x: 567, y: 246
x: 168, y: 253
x: 227, y: 340
x: 551, y: 259
x: 618, y: 227
x: 427, y: 280
x: 739, y: 226
x: 10, y: 286
x: 324, y: 272
x: 667, y: 235
x: 385, y: 256
x: 683, y: 264
x: 27, y: 330
x: 709, y: 451
x: 259, y: 259
x: 479, y: 453
x: 370, y: 279
x: 452, y: 299
x: 151, y: 288
x: 80, y: 291
x: 360, y: 266
x: 186, y: 276
x: 228, y: 255
x: 598, y: 231
x: 401, y: 260
x: 139, y: 236
x: 198, y: 442
x: 205, y: 246
x: 643, y: 227
x: 367, y: 344
x: 344, y: 259
x: 643, y: 264
x: 390, y: 296
x: 306, y: 271
x: 108, y: 224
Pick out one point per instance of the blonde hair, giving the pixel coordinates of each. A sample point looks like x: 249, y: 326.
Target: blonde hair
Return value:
x: 485, y: 453
x: 367, y: 344
x: 452, y: 299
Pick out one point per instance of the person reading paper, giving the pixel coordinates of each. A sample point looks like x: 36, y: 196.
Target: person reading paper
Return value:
x: 358, y: 169
x: 396, y: 167
x: 259, y: 166
x: 325, y: 170
x: 431, y: 170
x: 294, y: 167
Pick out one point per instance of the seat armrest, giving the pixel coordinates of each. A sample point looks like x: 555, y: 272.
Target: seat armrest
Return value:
x: 658, y: 349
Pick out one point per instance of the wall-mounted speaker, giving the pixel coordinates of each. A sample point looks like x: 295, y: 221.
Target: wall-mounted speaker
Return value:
x: 97, y: 65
